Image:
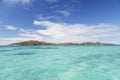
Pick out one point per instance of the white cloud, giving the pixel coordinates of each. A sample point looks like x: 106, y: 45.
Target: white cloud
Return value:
x: 17, y: 39
x: 31, y: 35
x: 10, y: 27
x: 61, y: 32
x: 24, y: 2
x: 51, y: 1
x: 18, y: 1
x: 23, y: 31
x: 24, y: 35
x: 27, y: 31
x: 6, y: 41
x: 40, y: 17
x: 64, y: 12
x: 54, y: 6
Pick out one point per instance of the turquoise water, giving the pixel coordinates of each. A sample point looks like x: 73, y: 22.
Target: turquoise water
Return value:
x: 60, y: 63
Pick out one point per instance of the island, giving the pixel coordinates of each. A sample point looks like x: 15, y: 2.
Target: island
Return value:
x: 34, y: 43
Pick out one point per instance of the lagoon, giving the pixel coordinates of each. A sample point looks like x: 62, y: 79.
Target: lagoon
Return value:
x: 59, y: 62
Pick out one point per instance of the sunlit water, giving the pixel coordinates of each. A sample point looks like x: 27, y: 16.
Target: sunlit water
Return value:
x: 60, y: 63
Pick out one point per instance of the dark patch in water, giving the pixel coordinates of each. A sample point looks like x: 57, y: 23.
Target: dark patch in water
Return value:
x: 48, y: 48
x: 5, y: 50
x: 118, y: 54
x: 102, y: 56
x: 22, y: 54
x: 35, y: 48
x: 97, y: 57
x: 18, y: 48
x: 43, y: 48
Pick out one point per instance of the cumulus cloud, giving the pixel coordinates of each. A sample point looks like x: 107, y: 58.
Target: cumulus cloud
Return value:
x: 62, y: 32
x: 29, y: 33
x: 6, y: 41
x: 10, y: 27
x: 51, y: 1
x: 40, y: 17
x: 23, y: 31
x: 54, y: 6
x: 18, y: 1
x: 24, y: 2
x: 17, y: 39
x: 64, y: 12
x: 23, y: 35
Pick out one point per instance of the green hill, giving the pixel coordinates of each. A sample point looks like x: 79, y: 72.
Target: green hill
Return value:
x: 31, y: 42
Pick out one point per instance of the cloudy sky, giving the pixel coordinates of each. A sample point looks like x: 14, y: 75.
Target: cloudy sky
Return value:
x: 59, y: 20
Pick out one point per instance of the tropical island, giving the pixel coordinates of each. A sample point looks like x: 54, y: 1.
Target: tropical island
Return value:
x: 35, y: 43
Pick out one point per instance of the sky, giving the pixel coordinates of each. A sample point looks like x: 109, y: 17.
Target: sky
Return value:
x: 60, y: 21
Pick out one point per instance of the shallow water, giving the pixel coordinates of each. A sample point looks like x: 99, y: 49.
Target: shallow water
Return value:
x: 60, y: 63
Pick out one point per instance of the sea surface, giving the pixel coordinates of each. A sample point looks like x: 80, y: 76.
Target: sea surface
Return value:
x: 59, y: 62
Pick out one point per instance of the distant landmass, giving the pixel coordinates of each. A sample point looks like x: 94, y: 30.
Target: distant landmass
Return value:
x: 33, y: 43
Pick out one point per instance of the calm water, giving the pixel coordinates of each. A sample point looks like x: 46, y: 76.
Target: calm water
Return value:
x: 60, y: 63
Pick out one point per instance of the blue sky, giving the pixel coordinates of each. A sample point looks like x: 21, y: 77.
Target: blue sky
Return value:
x: 60, y: 20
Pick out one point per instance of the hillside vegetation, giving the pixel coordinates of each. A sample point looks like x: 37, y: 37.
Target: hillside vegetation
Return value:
x: 31, y: 42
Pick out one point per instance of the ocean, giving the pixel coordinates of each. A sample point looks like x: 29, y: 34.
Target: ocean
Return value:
x: 59, y: 62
